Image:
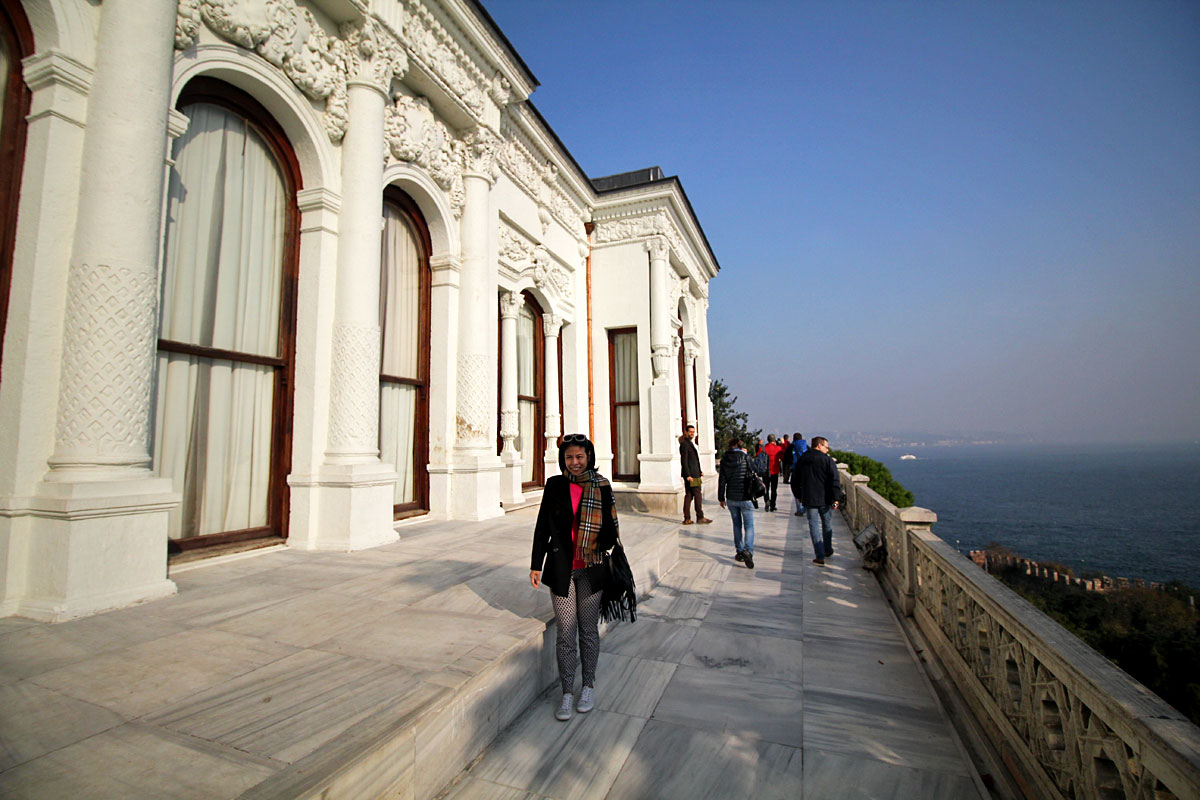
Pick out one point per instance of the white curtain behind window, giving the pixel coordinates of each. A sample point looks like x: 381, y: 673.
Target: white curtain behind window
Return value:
x: 526, y: 385
x: 400, y: 316
x: 222, y: 277
x: 629, y: 434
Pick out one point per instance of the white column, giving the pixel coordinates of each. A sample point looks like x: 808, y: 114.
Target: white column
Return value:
x: 355, y: 489
x: 476, y: 484
x: 510, y: 415
x: 690, y: 352
x: 551, y: 325
x: 99, y: 537
x: 660, y: 456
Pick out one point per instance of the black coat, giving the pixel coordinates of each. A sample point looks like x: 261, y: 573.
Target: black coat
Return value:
x: 815, y: 480
x: 552, y: 545
x: 689, y: 458
x: 731, y: 476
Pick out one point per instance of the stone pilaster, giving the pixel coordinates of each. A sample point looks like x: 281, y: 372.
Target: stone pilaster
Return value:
x: 551, y: 326
x: 99, y: 534
x: 476, y: 467
x: 510, y: 477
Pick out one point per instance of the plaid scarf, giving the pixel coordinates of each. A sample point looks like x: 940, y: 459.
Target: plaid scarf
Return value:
x: 591, y: 515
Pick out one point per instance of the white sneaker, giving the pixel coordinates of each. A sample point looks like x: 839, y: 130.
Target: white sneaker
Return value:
x: 564, y: 711
x: 587, y: 700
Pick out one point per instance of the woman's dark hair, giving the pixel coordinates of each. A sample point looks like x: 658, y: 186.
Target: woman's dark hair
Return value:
x: 576, y: 440
x: 735, y: 442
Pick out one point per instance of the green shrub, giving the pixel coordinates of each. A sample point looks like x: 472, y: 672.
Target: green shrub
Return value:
x: 881, y: 477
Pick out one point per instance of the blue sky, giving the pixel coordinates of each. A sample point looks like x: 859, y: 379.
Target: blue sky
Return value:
x: 933, y: 216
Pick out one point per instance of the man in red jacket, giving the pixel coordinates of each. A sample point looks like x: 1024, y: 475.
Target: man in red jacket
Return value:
x: 773, y: 449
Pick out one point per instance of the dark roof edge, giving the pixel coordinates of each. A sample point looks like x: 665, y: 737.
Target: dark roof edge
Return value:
x: 558, y: 141
x: 674, y: 179
x: 512, y: 51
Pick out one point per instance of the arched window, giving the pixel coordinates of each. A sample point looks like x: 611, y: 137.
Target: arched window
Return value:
x: 227, y: 330
x: 16, y: 42
x: 531, y: 391
x: 404, y: 294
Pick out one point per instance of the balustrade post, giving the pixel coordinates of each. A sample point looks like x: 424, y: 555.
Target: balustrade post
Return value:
x: 913, y: 519
x: 859, y: 481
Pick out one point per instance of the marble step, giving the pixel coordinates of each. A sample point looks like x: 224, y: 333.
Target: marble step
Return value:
x: 415, y: 746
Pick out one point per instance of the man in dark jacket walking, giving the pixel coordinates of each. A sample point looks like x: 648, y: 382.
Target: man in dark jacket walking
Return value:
x: 689, y: 470
x: 731, y: 493
x: 816, y: 485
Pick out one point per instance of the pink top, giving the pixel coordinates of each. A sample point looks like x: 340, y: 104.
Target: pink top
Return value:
x: 576, y: 496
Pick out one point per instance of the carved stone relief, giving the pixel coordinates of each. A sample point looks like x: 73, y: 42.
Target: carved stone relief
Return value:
x: 414, y: 134
x: 533, y: 260
x: 474, y: 399
x: 429, y: 42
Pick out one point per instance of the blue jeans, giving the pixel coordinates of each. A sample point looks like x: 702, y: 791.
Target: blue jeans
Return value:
x: 822, y: 532
x: 743, y: 514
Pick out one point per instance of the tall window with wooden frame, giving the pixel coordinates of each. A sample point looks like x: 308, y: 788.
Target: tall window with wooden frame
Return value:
x: 624, y: 406
x: 404, y: 295
x: 16, y: 42
x: 531, y: 391
x: 227, y: 329
x: 682, y: 372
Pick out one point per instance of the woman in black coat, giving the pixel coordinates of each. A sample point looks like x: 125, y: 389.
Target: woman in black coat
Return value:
x: 576, y: 524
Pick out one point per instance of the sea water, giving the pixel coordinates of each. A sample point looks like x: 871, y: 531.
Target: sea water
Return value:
x: 1119, y: 510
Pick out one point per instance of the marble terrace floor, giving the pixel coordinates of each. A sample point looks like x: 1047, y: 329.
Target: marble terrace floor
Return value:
x: 787, y: 681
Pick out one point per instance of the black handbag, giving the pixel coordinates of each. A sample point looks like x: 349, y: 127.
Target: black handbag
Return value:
x: 620, y: 596
x: 754, y: 487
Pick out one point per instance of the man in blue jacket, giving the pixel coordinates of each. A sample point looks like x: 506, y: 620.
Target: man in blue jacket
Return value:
x: 799, y: 446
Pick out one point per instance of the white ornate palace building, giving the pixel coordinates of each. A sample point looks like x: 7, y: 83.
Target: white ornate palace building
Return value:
x: 304, y: 270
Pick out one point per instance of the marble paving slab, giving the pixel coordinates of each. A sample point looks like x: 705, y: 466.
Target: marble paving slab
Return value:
x: 649, y: 638
x: 135, y: 761
x: 142, y: 678
x: 673, y: 762
x: 35, y: 721
x: 834, y: 775
x: 749, y: 706
x: 894, y: 730
x: 567, y: 761
x: 287, y: 709
x: 736, y: 653
x: 631, y: 686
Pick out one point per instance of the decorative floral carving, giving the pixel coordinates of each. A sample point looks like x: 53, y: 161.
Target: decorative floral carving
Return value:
x: 479, y: 153
x: 414, y: 134
x: 660, y: 360
x: 619, y: 230
x: 515, y: 248
x: 510, y: 427
x: 551, y: 325
x: 500, y: 91
x: 549, y: 275
x: 519, y: 164
x: 510, y: 304
x: 371, y: 54
x: 287, y: 36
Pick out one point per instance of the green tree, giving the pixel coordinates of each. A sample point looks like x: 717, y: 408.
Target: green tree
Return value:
x: 727, y: 420
x: 882, y: 481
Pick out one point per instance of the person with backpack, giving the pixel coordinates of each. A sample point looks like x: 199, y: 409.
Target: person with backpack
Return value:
x: 799, y: 446
x: 732, y: 476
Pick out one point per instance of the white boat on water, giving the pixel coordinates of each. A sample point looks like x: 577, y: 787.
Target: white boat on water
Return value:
x: 908, y: 457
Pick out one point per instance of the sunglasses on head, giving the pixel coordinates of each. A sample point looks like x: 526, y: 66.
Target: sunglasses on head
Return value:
x: 574, y: 437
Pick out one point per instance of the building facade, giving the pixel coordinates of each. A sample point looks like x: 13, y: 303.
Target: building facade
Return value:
x: 309, y: 270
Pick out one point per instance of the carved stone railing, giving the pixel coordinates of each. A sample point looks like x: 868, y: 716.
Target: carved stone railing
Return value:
x: 1064, y: 720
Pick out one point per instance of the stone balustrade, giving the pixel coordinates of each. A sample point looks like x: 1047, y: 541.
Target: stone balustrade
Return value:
x: 1064, y: 720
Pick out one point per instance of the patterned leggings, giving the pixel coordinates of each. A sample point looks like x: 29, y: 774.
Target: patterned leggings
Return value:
x: 577, y: 614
